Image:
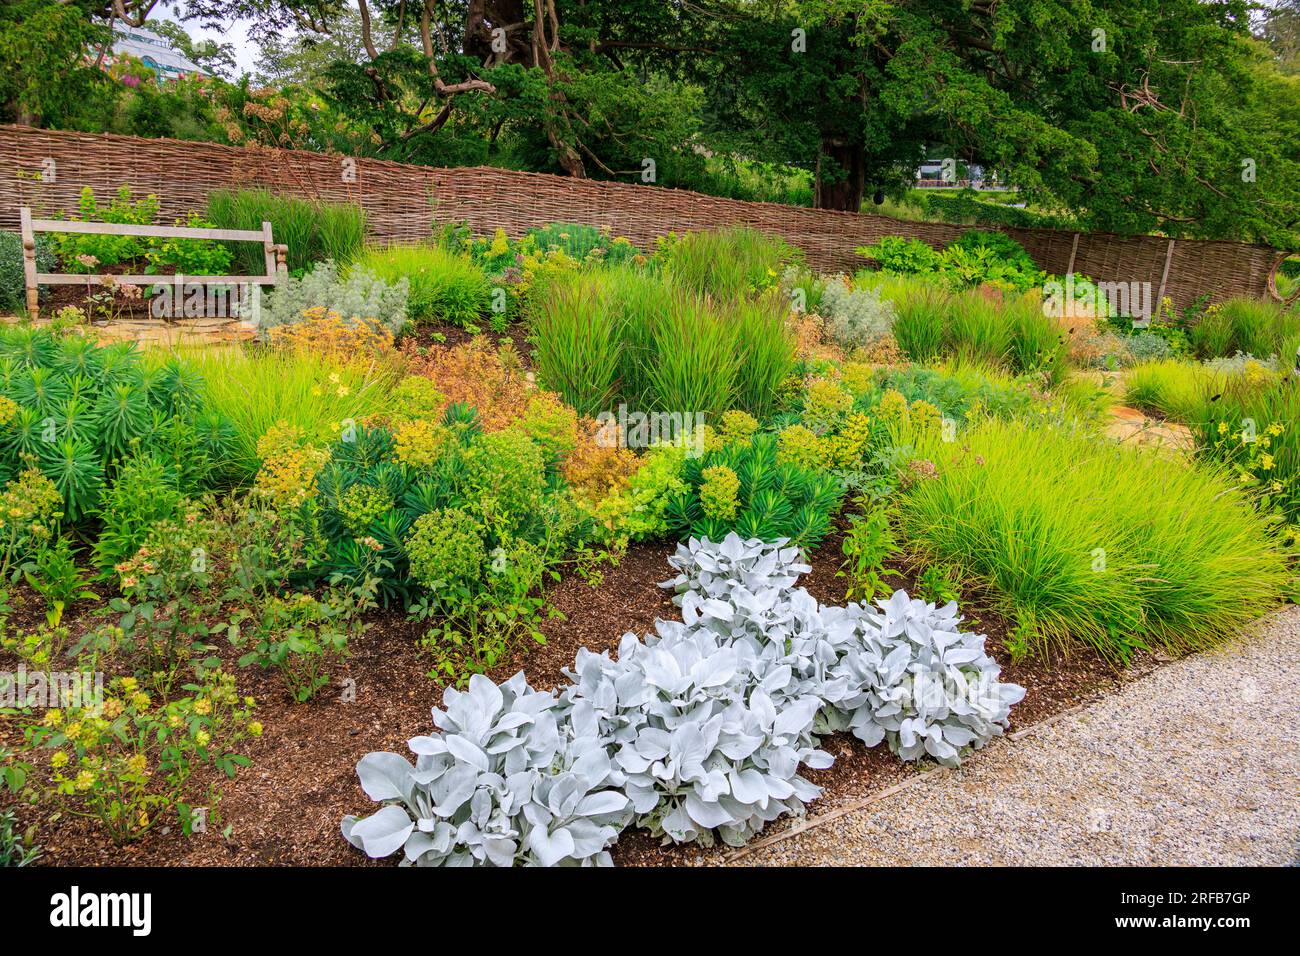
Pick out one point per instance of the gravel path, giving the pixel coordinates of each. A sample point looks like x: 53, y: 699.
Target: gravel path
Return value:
x: 1196, y: 764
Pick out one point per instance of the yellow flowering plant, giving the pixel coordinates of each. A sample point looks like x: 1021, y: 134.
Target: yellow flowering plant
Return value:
x: 30, y: 509
x: 128, y: 760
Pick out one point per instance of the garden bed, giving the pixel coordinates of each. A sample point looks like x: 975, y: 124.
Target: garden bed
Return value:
x: 304, y: 546
x: 285, y: 809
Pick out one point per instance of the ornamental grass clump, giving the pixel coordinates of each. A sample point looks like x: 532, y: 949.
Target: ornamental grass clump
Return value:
x: 725, y: 264
x: 313, y: 230
x: 442, y: 285
x: 1082, y: 540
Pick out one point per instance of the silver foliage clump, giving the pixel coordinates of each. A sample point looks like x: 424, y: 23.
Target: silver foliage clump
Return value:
x: 904, y: 673
x: 856, y: 317
x: 360, y: 297
x: 709, y: 733
x: 912, y: 678
x: 698, y: 730
x: 505, y: 781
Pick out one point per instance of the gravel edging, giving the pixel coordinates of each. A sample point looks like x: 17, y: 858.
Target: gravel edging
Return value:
x: 1196, y: 764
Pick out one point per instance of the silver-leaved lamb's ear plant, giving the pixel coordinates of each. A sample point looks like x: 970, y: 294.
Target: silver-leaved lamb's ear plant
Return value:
x: 709, y: 734
x: 916, y: 681
x: 697, y: 730
x: 503, y: 782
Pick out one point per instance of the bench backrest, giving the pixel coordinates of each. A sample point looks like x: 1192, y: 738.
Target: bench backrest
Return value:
x: 275, y: 255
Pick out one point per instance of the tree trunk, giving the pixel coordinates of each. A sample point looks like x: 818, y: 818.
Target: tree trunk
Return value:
x: 848, y: 161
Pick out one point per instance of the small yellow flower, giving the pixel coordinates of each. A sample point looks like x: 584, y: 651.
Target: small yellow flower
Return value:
x: 60, y: 759
x: 1223, y: 428
x: 202, y: 738
x: 255, y: 728
x: 129, y: 684
x: 203, y: 706
x: 53, y: 718
x: 136, y: 763
x: 85, y: 780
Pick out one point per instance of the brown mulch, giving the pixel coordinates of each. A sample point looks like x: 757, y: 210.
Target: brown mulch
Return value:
x: 423, y: 336
x: 286, y: 807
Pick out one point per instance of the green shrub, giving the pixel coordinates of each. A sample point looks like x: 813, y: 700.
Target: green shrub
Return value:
x: 725, y: 263
x: 958, y: 388
x: 84, y: 253
x: 313, y: 230
x: 359, y: 295
x: 13, y: 282
x: 81, y: 408
x: 106, y: 250
x: 1081, y: 540
x: 901, y: 255
x: 768, y: 499
x: 143, y: 495
x: 583, y: 242
x: 443, y: 286
x: 975, y: 258
x: 446, y: 554
x: 856, y: 317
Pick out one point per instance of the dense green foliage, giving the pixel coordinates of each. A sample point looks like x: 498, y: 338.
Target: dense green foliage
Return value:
x: 313, y: 230
x: 826, y: 103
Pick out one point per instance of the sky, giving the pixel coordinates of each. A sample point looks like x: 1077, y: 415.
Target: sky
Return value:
x: 235, y: 32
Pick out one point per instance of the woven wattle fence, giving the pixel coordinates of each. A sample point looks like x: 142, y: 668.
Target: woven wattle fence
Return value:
x: 47, y: 171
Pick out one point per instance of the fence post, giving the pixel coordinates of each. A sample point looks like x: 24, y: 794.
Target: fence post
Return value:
x: 1164, y: 276
x: 268, y: 248
x: 29, y: 263
x: 1074, y: 248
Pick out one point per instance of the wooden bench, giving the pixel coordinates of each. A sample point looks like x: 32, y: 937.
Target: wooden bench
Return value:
x: 276, y: 255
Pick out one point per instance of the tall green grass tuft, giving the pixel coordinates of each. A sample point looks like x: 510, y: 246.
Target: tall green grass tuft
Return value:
x: 1172, y: 389
x: 766, y: 351
x: 624, y: 335
x: 1252, y: 424
x: 1254, y: 326
x: 314, y: 231
x: 697, y: 359
x: 726, y: 263
x: 976, y: 329
x: 578, y: 341
x: 919, y: 325
x: 1084, y: 540
x: 254, y: 390
x: 444, y: 286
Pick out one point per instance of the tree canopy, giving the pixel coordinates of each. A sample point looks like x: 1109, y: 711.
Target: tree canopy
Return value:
x: 1134, y: 115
